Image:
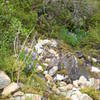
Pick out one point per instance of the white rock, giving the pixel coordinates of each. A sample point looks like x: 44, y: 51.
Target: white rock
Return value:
x: 29, y: 96
x: 52, y: 51
x: 75, y: 83
x: 69, y: 87
x: 85, y: 97
x: 45, y: 64
x: 63, y: 88
x: 62, y: 83
x: 10, y: 89
x: 59, y: 77
x: 82, y: 79
x: 74, y: 97
x: 47, y: 60
x: 39, y: 68
x: 94, y: 60
x: 95, y: 69
x: 19, y: 93
x: 4, y: 80
x: 45, y: 72
x: 53, y: 70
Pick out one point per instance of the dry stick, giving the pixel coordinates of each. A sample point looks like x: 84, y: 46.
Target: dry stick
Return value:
x: 17, y: 60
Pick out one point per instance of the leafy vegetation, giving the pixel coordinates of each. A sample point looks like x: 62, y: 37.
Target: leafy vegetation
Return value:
x: 77, y: 24
x: 95, y: 94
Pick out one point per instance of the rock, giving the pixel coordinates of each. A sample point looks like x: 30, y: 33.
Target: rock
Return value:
x: 55, y: 89
x: 85, y: 97
x: 63, y: 93
x: 80, y: 54
x: 29, y: 96
x: 71, y: 65
x: 39, y: 68
x: 83, y: 82
x: 95, y: 69
x: 53, y: 70
x: 52, y: 51
x: 69, y: 87
x: 95, y: 83
x: 74, y: 97
x: 63, y: 88
x: 75, y: 83
x: 19, y: 93
x: 10, y: 89
x: 47, y: 60
x: 94, y: 60
x: 49, y: 78
x: 45, y: 72
x: 4, y: 80
x: 45, y: 64
x: 62, y: 83
x: 59, y: 77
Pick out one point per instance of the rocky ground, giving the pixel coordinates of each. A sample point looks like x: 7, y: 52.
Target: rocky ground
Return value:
x: 65, y: 73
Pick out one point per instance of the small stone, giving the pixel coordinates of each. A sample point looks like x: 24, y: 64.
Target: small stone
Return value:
x: 47, y: 60
x: 69, y: 87
x: 62, y: 83
x: 49, y: 78
x: 19, y: 93
x: 94, y: 60
x: 4, y: 80
x: 74, y: 97
x: 45, y: 72
x: 10, y: 89
x: 85, y: 97
x: 75, y: 83
x: 29, y: 96
x: 59, y: 77
x: 63, y: 88
x: 95, y: 69
x: 53, y: 70
x: 39, y: 69
x: 53, y: 51
x: 83, y: 82
x: 45, y: 64
x: 63, y: 93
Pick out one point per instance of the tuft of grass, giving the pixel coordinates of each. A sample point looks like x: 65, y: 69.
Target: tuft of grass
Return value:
x: 93, y: 93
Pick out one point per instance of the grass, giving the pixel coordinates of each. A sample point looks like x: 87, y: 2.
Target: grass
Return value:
x: 93, y: 93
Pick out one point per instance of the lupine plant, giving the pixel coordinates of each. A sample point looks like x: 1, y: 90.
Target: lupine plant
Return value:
x: 23, y: 55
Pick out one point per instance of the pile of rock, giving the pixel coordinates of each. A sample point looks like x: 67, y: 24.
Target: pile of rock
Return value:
x: 7, y: 88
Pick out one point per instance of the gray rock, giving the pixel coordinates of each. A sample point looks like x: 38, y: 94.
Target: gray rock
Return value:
x: 53, y: 70
x: 71, y: 65
x: 4, y: 80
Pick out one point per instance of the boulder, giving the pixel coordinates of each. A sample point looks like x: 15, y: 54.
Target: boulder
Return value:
x: 4, y: 80
x: 10, y: 89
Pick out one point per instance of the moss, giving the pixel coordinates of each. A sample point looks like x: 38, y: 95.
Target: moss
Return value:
x: 95, y: 94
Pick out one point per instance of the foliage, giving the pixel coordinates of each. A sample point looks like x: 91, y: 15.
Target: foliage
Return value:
x: 95, y: 94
